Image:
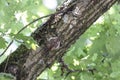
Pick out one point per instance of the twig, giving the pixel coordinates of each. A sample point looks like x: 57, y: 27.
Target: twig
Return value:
x: 7, y: 48
x: 34, y: 22
x: 23, y: 29
x: 6, y: 63
x: 66, y: 67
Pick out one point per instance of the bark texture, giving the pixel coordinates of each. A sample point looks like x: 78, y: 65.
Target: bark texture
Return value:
x: 55, y: 36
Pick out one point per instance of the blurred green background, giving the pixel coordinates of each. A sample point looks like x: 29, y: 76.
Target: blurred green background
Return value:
x: 98, y: 48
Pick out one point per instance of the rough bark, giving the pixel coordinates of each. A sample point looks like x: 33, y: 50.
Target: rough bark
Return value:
x: 55, y: 36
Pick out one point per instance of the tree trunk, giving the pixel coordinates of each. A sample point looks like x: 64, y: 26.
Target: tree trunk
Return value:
x: 55, y: 36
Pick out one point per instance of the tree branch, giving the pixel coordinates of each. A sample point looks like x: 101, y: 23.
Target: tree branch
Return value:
x: 57, y: 35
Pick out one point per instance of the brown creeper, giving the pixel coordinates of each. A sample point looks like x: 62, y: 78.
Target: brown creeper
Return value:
x: 53, y: 43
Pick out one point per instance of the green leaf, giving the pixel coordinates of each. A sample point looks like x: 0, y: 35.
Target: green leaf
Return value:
x: 113, y: 41
x: 85, y: 76
x: 6, y: 76
x: 94, y: 57
x: 2, y: 42
x: 26, y: 40
x: 115, y: 75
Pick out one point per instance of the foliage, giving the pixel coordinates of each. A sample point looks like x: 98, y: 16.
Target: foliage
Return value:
x: 96, y: 50
x: 5, y: 76
x: 13, y: 17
